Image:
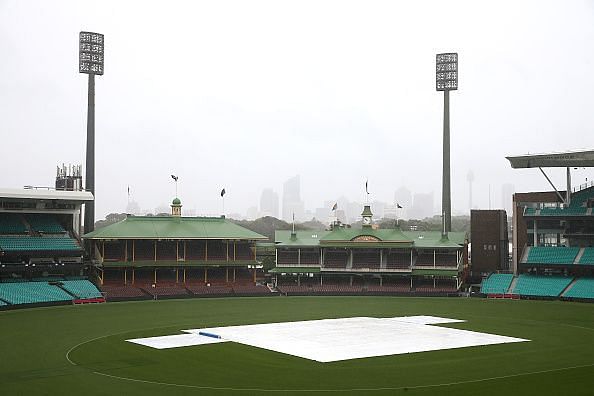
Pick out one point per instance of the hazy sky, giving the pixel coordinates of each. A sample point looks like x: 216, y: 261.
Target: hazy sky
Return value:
x: 245, y: 94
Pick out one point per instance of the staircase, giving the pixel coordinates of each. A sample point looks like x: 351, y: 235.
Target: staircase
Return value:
x: 579, y: 256
x: 568, y: 288
x: 512, y: 285
x: 524, y: 257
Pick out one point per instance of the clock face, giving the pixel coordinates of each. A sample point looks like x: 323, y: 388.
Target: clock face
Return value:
x: 366, y: 220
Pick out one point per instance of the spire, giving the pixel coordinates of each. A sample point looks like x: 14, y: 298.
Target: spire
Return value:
x: 176, y: 207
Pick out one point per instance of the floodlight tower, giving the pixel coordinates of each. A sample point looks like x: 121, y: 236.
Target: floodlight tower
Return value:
x: 90, y: 61
x: 446, y: 80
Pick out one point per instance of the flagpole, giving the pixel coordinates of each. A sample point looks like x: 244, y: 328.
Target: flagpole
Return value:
x: 223, y: 192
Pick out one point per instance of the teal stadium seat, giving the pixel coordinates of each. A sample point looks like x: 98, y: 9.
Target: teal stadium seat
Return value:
x: 44, y: 223
x: 588, y: 257
x: 81, y: 288
x: 30, y: 244
x: 569, y: 211
x: 579, y: 198
x: 544, y: 286
x: 2, y: 303
x: 32, y: 292
x: 582, y: 288
x: 496, y: 284
x: 11, y: 223
x: 552, y: 255
x: 529, y: 212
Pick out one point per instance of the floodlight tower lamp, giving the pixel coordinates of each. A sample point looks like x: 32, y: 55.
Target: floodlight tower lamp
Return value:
x: 446, y: 80
x: 91, y: 62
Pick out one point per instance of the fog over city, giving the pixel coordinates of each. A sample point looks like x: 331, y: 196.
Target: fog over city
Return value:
x: 245, y: 95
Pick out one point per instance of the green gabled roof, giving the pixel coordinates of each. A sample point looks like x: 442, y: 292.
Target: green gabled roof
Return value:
x: 387, y: 238
x: 166, y: 227
x: 348, y: 234
x: 303, y: 238
x: 432, y: 239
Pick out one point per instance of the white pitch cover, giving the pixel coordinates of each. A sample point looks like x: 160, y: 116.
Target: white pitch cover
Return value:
x: 330, y: 340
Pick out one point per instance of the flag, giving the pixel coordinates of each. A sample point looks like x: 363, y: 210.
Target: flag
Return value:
x: 174, y: 177
x: 128, y: 191
x: 335, y: 206
x: 366, y: 190
x: 223, y: 192
x: 398, y: 206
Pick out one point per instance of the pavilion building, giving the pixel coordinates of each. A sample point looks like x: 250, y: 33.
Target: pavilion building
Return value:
x: 369, y: 259
x: 150, y: 251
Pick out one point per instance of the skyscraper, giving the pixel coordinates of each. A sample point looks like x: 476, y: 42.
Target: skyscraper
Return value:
x: 269, y: 203
x: 292, y: 203
x: 422, y: 206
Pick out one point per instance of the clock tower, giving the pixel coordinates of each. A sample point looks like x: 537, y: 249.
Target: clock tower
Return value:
x: 367, y: 216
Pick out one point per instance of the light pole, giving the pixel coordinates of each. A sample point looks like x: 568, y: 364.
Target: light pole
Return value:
x: 446, y: 80
x: 90, y: 61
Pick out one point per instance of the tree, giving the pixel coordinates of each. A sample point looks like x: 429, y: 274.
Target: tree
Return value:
x: 110, y: 219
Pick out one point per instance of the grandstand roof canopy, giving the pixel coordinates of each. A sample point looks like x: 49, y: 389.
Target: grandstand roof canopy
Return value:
x: 553, y: 160
x: 45, y: 194
x: 168, y: 227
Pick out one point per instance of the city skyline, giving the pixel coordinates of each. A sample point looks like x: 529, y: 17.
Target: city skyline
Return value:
x: 239, y: 96
x: 413, y: 205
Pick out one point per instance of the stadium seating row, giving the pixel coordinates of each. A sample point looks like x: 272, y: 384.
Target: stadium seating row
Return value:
x: 536, y: 285
x: 552, y: 255
x: 28, y: 243
x: 582, y: 288
x: 13, y: 223
x: 527, y: 285
x: 569, y: 211
x: 345, y: 289
x: 42, y: 292
x: 44, y: 223
x: 32, y: 292
x: 587, y: 257
x: 81, y: 288
x: 576, y: 208
x: 560, y: 255
x: 497, y: 284
x: 180, y: 290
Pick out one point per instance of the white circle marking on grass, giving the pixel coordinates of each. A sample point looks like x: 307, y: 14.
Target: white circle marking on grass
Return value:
x: 271, y: 390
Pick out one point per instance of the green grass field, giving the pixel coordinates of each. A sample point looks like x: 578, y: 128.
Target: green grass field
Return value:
x: 81, y: 349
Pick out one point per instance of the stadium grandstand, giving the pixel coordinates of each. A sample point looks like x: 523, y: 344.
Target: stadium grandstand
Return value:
x: 553, y: 236
x: 176, y: 256
x: 41, y: 251
x: 344, y: 260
